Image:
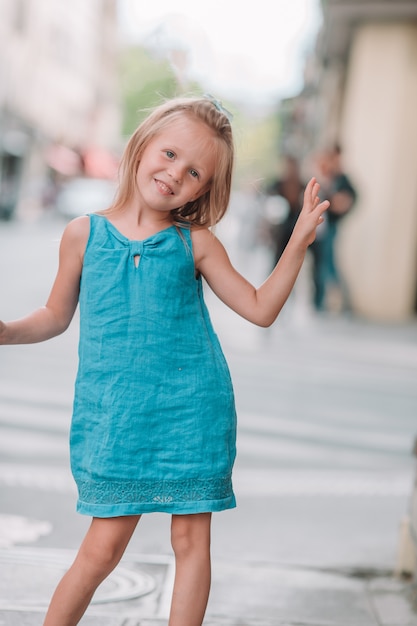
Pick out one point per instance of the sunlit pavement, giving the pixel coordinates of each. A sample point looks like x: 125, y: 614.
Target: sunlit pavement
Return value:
x: 326, y: 408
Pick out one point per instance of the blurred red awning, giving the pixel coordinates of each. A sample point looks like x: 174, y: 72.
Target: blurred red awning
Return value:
x: 63, y: 160
x: 100, y: 163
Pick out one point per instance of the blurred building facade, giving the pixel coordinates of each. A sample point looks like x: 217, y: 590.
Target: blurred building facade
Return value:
x: 59, y: 101
x: 361, y: 92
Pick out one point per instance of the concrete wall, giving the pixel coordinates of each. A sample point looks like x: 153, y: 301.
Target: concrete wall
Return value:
x: 378, y: 241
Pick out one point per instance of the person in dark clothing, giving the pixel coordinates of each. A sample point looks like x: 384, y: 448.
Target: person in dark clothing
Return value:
x: 341, y: 193
x: 289, y: 186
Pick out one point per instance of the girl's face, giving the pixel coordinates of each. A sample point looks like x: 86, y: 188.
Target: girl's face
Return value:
x: 177, y: 165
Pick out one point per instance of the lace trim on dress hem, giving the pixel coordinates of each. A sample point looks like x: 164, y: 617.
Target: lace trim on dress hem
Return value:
x: 164, y: 491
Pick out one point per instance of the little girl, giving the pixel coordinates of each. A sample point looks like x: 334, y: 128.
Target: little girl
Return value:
x: 154, y: 424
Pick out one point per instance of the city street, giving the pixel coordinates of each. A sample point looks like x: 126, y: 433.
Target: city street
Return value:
x: 327, y: 420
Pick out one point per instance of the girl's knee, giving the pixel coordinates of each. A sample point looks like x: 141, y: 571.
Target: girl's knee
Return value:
x: 190, y: 534
x: 100, y: 560
x: 104, y: 545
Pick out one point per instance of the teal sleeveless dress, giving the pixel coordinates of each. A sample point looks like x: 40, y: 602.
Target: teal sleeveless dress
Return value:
x: 154, y: 422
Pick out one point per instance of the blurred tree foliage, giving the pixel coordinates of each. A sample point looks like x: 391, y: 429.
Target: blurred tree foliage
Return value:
x: 257, y: 143
x: 147, y: 79
x: 145, y: 82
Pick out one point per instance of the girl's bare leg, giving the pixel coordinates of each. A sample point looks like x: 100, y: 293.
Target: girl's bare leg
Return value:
x: 100, y: 552
x: 190, y: 536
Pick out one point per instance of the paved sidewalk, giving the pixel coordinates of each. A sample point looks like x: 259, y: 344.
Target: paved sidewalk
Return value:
x: 243, y: 594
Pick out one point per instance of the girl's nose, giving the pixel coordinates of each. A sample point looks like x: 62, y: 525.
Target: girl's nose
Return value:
x: 175, y: 173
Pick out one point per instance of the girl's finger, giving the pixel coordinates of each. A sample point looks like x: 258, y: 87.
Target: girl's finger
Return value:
x: 309, y: 188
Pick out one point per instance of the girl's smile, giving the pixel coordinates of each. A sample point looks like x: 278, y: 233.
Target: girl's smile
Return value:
x: 163, y: 188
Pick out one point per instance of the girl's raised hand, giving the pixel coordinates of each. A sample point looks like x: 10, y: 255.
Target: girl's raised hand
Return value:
x: 311, y: 214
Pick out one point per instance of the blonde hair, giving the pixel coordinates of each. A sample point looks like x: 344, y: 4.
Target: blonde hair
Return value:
x: 209, y: 208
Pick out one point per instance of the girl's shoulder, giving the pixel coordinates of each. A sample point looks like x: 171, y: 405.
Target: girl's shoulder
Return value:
x: 78, y: 227
x: 204, y: 242
x: 76, y: 234
x: 201, y: 235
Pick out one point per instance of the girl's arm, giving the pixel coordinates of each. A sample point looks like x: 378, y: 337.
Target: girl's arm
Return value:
x: 53, y: 318
x: 260, y: 306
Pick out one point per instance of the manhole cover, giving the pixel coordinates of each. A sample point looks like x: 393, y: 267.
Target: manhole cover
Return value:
x: 29, y: 577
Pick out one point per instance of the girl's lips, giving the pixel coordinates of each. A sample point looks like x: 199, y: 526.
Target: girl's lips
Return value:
x: 163, y: 188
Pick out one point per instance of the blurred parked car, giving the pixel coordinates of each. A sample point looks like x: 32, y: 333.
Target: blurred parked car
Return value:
x: 80, y: 196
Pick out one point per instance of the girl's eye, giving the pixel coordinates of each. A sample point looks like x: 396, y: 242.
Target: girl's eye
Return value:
x: 170, y: 154
x: 194, y: 173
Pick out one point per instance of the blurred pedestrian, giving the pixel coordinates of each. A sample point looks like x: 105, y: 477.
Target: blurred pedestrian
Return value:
x: 338, y: 188
x: 288, y: 187
x: 153, y: 426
